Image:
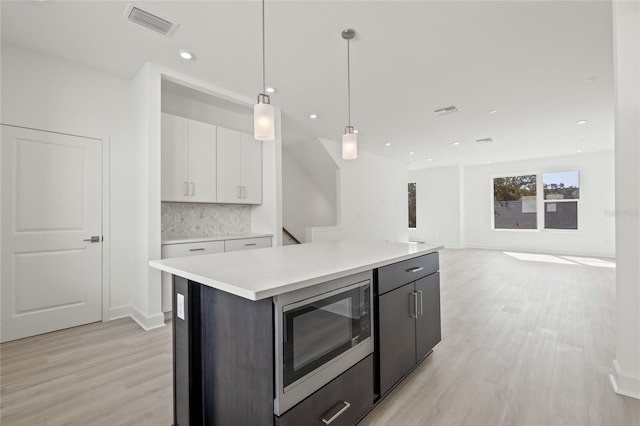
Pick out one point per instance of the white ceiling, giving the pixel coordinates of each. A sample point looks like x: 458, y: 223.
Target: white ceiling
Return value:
x: 530, y: 61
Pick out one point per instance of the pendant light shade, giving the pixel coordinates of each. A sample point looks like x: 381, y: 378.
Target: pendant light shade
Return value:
x: 349, y: 139
x: 263, y: 116
x: 263, y: 120
x: 349, y: 145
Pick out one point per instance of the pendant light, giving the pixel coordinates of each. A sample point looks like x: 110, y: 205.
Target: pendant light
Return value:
x: 349, y: 139
x: 263, y: 116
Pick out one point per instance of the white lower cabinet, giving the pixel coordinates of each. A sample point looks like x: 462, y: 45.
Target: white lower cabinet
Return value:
x: 200, y: 248
x: 247, y: 244
x: 181, y: 250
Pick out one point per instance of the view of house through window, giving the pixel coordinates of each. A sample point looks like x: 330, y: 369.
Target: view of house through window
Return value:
x: 514, y: 202
x: 412, y: 204
x: 561, y: 194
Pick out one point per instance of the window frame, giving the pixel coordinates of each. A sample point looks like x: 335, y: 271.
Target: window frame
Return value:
x: 540, y: 202
x: 416, y: 205
x: 492, y: 207
x: 543, y: 225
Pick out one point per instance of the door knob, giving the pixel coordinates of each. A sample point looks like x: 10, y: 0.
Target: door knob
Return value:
x: 94, y: 239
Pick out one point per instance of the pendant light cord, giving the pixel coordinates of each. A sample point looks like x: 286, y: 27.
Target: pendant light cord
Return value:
x: 263, y: 52
x: 349, y: 82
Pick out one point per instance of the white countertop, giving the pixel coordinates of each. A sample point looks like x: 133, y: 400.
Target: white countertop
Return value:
x: 175, y: 239
x: 262, y: 273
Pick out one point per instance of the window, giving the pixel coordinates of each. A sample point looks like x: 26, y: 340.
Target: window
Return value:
x: 412, y: 204
x: 514, y: 202
x: 561, y: 195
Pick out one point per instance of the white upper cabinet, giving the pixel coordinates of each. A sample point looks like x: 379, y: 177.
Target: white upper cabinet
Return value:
x: 188, y: 160
x: 202, y: 162
x: 175, y: 158
x: 239, y: 168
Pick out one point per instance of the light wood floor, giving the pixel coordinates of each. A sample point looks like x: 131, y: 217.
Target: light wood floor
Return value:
x: 524, y: 342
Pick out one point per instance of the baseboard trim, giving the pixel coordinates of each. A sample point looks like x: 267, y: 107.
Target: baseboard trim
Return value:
x: 625, y: 382
x: 119, y: 312
x: 541, y: 251
x: 147, y: 322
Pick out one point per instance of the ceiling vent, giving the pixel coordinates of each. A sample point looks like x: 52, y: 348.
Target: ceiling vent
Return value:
x: 149, y: 20
x: 485, y: 140
x: 447, y: 110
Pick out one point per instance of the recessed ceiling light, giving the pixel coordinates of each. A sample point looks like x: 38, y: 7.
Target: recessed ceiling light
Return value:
x: 456, y: 143
x: 186, y: 55
x: 429, y: 159
x: 411, y: 152
x: 581, y: 122
x: 488, y: 161
x: 388, y: 144
x: 270, y: 90
x: 579, y: 151
x: 493, y: 111
x: 592, y: 80
x: 313, y: 116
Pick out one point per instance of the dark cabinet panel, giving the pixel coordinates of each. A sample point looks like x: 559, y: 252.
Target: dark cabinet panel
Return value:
x: 396, y: 331
x: 428, y: 321
x: 400, y: 273
x: 347, y: 398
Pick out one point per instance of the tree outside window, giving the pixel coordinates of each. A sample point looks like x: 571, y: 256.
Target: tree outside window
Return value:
x: 412, y: 204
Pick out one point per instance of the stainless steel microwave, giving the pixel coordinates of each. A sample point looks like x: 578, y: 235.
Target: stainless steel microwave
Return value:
x: 320, y: 332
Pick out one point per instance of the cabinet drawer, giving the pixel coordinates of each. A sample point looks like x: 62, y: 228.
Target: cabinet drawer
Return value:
x: 353, y: 387
x: 192, y: 249
x: 398, y: 274
x: 247, y: 243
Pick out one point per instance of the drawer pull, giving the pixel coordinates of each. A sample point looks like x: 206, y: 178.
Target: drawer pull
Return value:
x: 251, y: 244
x: 336, y: 415
x: 197, y: 249
x: 416, y: 269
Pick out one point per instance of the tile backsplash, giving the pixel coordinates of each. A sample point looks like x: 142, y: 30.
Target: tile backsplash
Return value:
x: 188, y: 220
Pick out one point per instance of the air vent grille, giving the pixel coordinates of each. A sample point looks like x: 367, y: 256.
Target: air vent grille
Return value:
x: 485, y: 140
x: 447, y: 110
x: 150, y: 21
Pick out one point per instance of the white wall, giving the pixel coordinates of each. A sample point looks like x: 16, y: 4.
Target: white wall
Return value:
x: 372, y: 196
x: 626, y: 16
x: 304, y: 205
x: 438, y: 206
x: 595, y: 235
x: 44, y: 93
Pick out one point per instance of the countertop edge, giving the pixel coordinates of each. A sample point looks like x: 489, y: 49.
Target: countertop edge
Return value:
x: 291, y: 286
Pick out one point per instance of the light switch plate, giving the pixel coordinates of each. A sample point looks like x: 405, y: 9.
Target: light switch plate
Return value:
x: 180, y: 303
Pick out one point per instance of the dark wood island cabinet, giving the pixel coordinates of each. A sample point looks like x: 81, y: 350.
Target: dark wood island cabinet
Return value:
x: 234, y: 314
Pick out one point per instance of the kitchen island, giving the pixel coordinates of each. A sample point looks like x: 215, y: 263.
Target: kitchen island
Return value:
x: 228, y: 328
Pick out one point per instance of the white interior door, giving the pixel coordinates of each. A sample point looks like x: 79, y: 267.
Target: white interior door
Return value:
x: 51, y: 205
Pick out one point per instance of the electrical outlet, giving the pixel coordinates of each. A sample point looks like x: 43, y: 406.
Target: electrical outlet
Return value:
x: 180, y: 307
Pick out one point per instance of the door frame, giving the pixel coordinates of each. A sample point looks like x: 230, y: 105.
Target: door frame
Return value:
x: 106, y: 217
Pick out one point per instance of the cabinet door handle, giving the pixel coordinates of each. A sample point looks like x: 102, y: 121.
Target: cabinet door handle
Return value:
x: 337, y: 414
x: 419, y: 310
x: 416, y: 269
x: 196, y: 249
x: 186, y: 188
x: 244, y: 192
x: 251, y: 244
x: 193, y: 189
x: 413, y: 303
